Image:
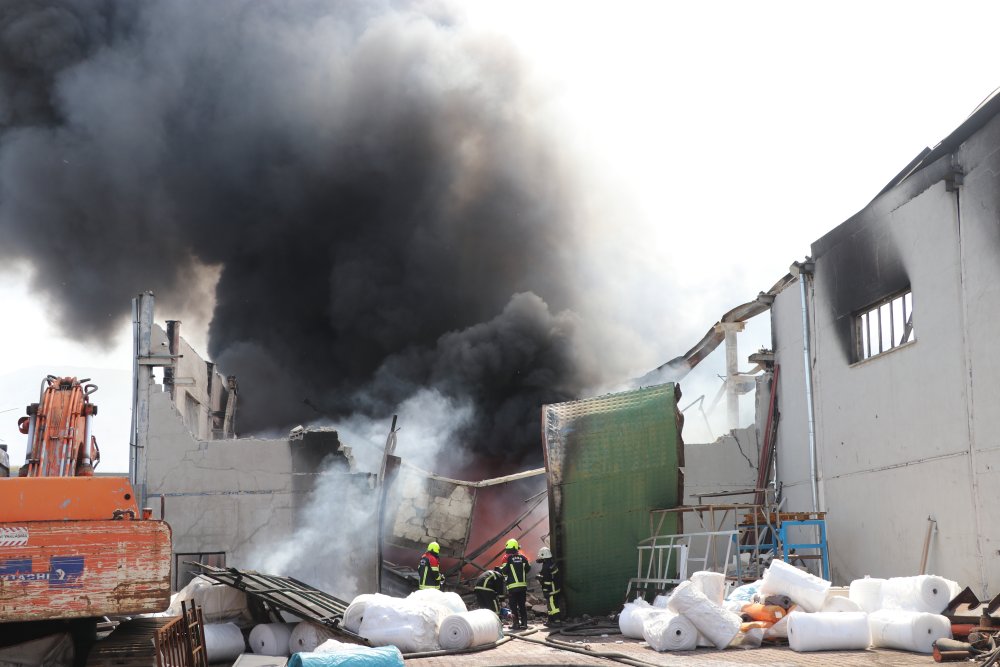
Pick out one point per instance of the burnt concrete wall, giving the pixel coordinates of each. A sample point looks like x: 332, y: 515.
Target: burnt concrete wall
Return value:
x: 910, y: 433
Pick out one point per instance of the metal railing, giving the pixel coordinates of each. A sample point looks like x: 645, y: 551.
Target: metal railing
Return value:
x: 666, y: 560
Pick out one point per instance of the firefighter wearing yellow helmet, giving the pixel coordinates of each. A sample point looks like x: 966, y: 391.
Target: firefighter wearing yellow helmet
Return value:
x: 515, y: 566
x: 429, y: 569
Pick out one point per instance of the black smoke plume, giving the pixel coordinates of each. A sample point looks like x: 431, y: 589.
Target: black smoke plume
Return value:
x: 373, y: 183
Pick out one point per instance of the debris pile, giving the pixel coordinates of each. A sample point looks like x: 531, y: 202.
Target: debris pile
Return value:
x: 790, y: 604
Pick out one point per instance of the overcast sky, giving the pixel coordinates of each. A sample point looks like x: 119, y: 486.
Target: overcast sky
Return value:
x: 725, y: 136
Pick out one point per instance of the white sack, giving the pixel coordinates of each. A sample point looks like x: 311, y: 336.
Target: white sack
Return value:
x: 410, y: 626
x: 711, y: 584
x: 806, y: 590
x: 925, y: 592
x: 223, y: 642
x: 718, y: 625
x: 670, y: 632
x: 470, y: 628
x: 271, y: 638
x: 634, y: 616
x: 453, y: 601
x: 307, y: 636
x: 219, y: 603
x: 907, y: 630
x: 355, y: 611
x: 828, y: 631
x: 841, y: 603
x: 867, y: 593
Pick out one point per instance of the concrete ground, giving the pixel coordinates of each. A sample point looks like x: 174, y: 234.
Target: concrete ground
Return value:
x: 534, y: 650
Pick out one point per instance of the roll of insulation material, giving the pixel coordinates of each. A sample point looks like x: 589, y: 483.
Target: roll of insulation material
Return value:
x: 660, y: 601
x: 634, y: 616
x: 715, y: 623
x: 926, y: 593
x: 360, y: 656
x: 670, y: 632
x: 806, y: 590
x: 841, y: 603
x: 711, y: 584
x: 867, y: 593
x: 271, y: 638
x: 828, y: 631
x: 907, y: 630
x: 223, y: 642
x: 307, y: 636
x: 470, y: 628
x: 355, y: 612
x: 453, y: 601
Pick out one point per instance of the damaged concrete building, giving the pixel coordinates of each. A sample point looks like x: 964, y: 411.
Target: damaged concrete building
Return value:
x: 899, y: 360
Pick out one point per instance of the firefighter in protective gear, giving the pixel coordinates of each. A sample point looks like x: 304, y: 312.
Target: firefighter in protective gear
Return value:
x: 489, y: 588
x: 429, y: 570
x: 515, y: 566
x: 551, y: 585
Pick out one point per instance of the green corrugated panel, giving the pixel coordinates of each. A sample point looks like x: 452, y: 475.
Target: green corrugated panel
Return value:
x: 610, y: 460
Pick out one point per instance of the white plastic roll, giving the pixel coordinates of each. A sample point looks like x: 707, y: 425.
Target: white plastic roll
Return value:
x: 452, y: 601
x: 828, y: 631
x: 867, y: 593
x: 633, y: 617
x: 718, y: 625
x: 410, y: 626
x: 223, y: 642
x: 806, y: 590
x: 307, y: 636
x: 355, y: 611
x: 841, y: 603
x: 926, y: 592
x: 660, y: 601
x: 470, y: 628
x: 907, y: 630
x: 712, y: 584
x: 670, y: 632
x: 271, y: 638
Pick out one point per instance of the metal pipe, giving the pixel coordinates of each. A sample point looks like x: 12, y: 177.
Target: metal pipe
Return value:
x: 810, y: 411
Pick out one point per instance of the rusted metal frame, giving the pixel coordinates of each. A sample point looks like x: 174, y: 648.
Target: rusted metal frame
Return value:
x: 480, y: 550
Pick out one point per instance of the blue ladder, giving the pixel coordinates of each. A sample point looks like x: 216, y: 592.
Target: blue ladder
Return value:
x: 821, y: 546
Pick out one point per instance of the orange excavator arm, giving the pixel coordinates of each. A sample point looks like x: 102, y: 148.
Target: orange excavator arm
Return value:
x: 60, y: 430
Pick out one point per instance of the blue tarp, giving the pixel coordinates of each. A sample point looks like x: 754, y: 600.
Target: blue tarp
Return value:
x: 383, y: 656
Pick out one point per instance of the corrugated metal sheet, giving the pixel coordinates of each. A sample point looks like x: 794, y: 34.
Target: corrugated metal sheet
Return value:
x: 286, y: 594
x: 610, y: 460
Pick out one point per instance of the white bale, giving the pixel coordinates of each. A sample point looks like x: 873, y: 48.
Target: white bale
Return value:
x: 469, y: 629
x: 828, y: 631
x: 907, y: 630
x: 453, y: 601
x: 670, y: 632
x: 410, y: 626
x: 634, y: 616
x: 841, y: 603
x: 355, y: 612
x: 223, y: 642
x: 271, y: 638
x: 925, y: 592
x: 867, y: 593
x: 711, y: 584
x: 805, y: 589
x: 715, y: 623
x: 307, y: 636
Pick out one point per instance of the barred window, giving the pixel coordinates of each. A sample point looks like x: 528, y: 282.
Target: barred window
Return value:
x: 884, y: 326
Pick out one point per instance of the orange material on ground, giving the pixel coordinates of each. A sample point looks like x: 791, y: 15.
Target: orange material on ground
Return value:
x: 771, y: 613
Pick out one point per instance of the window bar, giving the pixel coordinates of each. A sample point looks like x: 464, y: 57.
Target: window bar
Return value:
x: 868, y: 333
x: 892, y: 328
x: 878, y: 311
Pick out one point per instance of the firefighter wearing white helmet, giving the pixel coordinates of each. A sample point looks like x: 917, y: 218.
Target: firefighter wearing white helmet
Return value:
x: 515, y: 566
x: 429, y: 569
x: 551, y: 585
